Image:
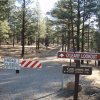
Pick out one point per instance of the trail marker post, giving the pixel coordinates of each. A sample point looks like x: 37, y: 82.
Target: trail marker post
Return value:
x: 78, y: 70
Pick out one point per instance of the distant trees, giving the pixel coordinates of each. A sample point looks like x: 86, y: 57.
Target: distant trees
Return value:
x: 73, y: 17
x: 4, y: 25
x: 97, y: 35
x: 71, y: 24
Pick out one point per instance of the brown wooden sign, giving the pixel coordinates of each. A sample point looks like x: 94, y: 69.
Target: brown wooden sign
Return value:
x: 77, y: 70
x: 79, y: 55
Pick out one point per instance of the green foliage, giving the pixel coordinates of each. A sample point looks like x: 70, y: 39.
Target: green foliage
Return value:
x: 4, y: 29
x: 4, y: 26
x: 61, y: 23
x: 65, y: 16
x: 4, y: 9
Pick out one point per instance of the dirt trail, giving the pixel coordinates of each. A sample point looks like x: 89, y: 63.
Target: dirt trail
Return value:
x: 50, y: 53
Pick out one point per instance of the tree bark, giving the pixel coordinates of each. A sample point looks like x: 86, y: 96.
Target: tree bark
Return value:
x: 78, y: 27
x: 14, y: 36
x: 72, y: 29
x: 68, y: 36
x: 23, y: 30
x: 82, y: 61
x: 62, y: 42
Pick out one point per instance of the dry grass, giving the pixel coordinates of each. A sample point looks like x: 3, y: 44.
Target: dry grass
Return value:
x: 30, y: 52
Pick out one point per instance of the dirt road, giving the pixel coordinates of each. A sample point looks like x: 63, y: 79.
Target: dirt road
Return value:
x: 45, y: 83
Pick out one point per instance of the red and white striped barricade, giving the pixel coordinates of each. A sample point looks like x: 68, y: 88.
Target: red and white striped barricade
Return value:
x: 28, y: 63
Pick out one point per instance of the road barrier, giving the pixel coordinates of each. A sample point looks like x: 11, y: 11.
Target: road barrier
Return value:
x: 17, y: 64
x: 30, y: 64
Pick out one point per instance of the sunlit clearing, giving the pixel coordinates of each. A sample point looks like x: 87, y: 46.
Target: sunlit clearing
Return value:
x: 95, y: 77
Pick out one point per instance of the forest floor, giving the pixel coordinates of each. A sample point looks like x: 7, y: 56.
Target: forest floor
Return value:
x: 52, y: 73
x: 30, y: 51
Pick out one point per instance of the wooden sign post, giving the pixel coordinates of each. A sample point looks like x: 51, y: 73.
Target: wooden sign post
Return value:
x: 76, y: 81
x: 78, y: 70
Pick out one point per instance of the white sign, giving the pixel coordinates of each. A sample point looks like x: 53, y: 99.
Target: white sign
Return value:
x: 11, y: 63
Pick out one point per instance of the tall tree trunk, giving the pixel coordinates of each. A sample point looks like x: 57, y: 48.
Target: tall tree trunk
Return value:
x: 68, y: 36
x: 0, y: 41
x: 89, y: 35
x: 98, y: 60
x: 78, y: 27
x: 23, y: 29
x: 38, y: 25
x: 72, y: 29
x: 65, y: 40
x: 57, y: 40
x: 28, y: 40
x: 38, y: 34
x: 38, y: 41
x: 88, y: 38
x: 82, y: 49
x: 62, y: 42
x: 14, y: 36
x: 13, y: 39
x: 99, y: 33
